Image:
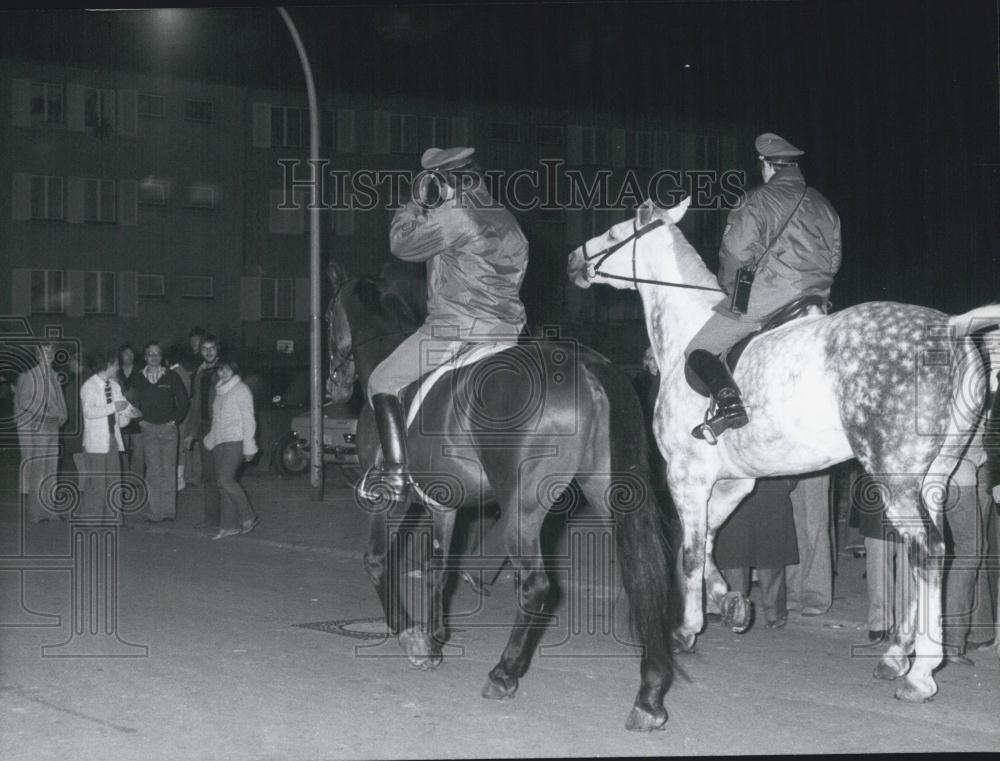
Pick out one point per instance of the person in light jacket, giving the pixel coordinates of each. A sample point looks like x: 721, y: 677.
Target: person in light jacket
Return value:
x: 230, y: 443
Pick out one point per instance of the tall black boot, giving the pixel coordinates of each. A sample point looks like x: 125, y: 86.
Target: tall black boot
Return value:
x: 730, y: 412
x: 394, y: 473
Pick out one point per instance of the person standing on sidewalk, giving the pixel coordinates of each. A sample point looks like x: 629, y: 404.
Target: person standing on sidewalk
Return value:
x: 199, y: 467
x: 810, y: 582
x: 132, y: 433
x: 160, y: 394
x: 230, y: 443
x: 39, y: 411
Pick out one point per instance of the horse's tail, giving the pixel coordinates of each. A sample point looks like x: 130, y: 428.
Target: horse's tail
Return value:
x: 976, y: 319
x: 641, y: 529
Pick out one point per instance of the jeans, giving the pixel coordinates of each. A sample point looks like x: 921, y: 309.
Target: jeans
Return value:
x: 236, y: 510
x: 159, y: 447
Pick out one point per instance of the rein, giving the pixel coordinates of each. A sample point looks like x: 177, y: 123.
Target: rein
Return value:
x: 604, y: 254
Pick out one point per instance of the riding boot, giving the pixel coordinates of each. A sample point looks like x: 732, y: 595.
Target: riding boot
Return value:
x: 394, y: 473
x: 730, y: 412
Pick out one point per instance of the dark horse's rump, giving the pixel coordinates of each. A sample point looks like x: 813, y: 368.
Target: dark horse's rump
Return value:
x: 517, y: 429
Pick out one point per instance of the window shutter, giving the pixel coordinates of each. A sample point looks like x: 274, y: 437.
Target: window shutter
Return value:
x: 20, y: 199
x: 250, y: 299
x: 460, y: 130
x: 345, y: 130
x: 128, y: 294
x: 302, y: 299
x: 128, y: 113
x: 261, y: 125
x: 20, y: 292
x: 618, y: 138
x: 128, y: 202
x: 74, y: 293
x: 276, y: 218
x: 574, y: 144
x: 109, y: 112
x: 381, y: 132
x: 76, y: 190
x: 74, y: 108
x: 20, y: 102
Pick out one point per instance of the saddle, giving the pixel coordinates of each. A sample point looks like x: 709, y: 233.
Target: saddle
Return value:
x: 804, y: 305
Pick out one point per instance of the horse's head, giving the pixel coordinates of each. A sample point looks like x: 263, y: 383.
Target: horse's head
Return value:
x: 617, y: 257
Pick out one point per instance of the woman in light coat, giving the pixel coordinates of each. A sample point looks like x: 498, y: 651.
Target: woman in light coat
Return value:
x: 231, y: 443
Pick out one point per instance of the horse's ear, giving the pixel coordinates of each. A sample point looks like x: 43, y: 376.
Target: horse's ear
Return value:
x: 646, y: 212
x: 677, y: 212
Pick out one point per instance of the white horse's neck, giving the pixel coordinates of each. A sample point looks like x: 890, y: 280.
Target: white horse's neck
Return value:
x: 673, y: 315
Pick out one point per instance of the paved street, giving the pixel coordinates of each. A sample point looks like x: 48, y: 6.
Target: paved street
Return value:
x: 229, y: 675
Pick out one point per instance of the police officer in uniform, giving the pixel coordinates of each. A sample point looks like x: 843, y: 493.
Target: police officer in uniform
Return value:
x: 476, y: 258
x: 789, y: 234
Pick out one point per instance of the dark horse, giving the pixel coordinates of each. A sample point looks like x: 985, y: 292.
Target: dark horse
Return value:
x: 516, y: 429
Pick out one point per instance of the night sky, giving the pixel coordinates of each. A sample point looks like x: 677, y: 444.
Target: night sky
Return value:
x: 895, y: 104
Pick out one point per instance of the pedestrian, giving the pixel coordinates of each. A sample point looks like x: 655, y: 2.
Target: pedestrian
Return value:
x: 39, y: 412
x: 476, y: 257
x: 127, y: 371
x: 810, y: 581
x: 171, y: 359
x: 781, y: 244
x: 190, y: 359
x: 72, y: 378
x: 160, y: 395
x: 105, y: 411
x: 199, y: 468
x: 760, y: 534
x: 230, y: 442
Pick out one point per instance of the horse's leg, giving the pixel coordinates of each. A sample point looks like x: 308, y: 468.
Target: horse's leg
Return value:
x: 736, y: 609
x: 927, y: 569
x: 690, y: 493
x: 522, y: 539
x: 423, y: 644
x: 383, y: 571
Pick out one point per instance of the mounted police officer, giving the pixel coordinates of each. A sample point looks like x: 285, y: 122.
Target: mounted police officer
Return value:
x: 476, y: 258
x: 781, y: 244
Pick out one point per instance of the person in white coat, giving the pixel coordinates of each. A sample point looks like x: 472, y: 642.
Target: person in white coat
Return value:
x: 230, y: 442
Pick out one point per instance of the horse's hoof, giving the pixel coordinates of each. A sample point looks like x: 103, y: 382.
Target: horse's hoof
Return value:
x: 641, y: 720
x: 909, y: 692
x: 498, y: 687
x: 683, y: 643
x: 417, y: 646
x: 888, y: 669
x: 737, y: 612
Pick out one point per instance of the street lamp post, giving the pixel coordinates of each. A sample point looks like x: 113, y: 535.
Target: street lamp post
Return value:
x: 315, y: 384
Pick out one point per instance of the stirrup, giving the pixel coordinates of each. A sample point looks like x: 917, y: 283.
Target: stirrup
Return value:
x: 376, y: 485
x: 715, y: 425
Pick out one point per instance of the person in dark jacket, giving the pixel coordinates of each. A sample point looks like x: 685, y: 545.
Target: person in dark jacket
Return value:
x: 200, y: 467
x: 476, y: 258
x: 789, y: 234
x: 159, y: 393
x: 128, y: 370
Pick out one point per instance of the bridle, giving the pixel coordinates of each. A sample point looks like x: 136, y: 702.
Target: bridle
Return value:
x: 637, y: 232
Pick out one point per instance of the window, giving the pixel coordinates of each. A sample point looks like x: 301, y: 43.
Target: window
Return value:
x: 152, y: 192
x: 503, y: 132
x: 289, y: 127
x: 435, y: 130
x: 149, y: 285
x: 98, y: 292
x: 47, y: 292
x: 199, y: 110
x: 46, y: 197
x: 277, y: 298
x: 290, y: 220
x: 403, y: 134
x: 201, y: 197
x: 549, y: 135
x: 98, y: 109
x: 98, y: 200
x: 47, y: 103
x: 197, y: 286
x: 153, y: 106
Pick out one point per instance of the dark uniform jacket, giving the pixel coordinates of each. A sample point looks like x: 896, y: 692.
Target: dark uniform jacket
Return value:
x: 802, y: 260
x: 476, y: 258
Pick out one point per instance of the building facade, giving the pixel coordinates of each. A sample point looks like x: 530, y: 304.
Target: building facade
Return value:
x: 139, y: 206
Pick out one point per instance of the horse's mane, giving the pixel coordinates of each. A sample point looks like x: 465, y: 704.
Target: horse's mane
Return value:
x: 691, y: 266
